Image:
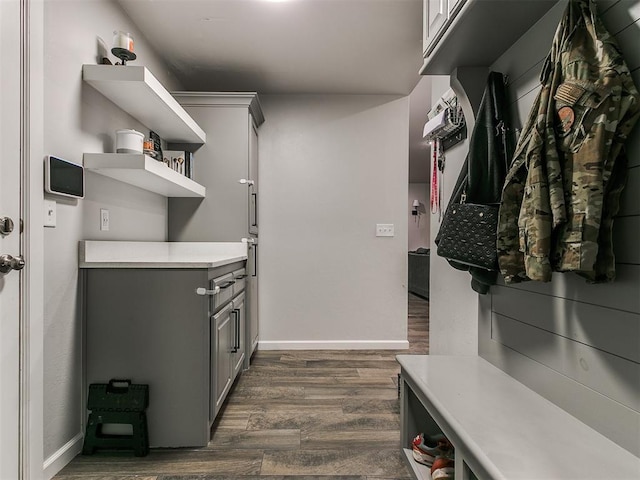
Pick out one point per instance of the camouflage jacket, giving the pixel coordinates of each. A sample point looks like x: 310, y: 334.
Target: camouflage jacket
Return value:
x: 564, y: 183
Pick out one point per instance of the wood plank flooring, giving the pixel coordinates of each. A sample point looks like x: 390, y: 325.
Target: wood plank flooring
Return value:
x: 316, y: 415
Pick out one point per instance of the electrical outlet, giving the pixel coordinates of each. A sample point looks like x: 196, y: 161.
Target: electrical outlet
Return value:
x: 49, y: 213
x: 104, y: 219
x: 385, y: 230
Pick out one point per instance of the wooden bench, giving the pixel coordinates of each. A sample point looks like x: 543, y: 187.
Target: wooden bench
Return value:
x: 500, y: 428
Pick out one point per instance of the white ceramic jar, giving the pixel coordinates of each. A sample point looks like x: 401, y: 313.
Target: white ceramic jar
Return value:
x: 129, y: 141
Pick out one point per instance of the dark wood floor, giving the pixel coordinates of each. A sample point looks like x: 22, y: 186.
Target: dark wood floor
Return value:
x: 320, y: 415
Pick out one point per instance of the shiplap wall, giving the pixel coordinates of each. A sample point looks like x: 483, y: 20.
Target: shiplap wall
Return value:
x: 576, y: 344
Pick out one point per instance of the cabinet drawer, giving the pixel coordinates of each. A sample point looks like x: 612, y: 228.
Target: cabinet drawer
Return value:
x: 226, y: 283
x: 240, y: 277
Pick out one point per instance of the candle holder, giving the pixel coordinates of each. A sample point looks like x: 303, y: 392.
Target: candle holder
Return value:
x: 123, y: 47
x: 123, y: 54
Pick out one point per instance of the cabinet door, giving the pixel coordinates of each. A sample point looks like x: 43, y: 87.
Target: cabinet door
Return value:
x: 239, y: 319
x: 222, y: 344
x: 454, y: 7
x: 253, y: 175
x: 222, y: 215
x: 435, y: 14
x: 253, y: 322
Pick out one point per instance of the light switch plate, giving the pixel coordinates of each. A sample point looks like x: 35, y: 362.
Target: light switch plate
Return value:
x: 385, y: 230
x: 104, y: 219
x: 50, y: 213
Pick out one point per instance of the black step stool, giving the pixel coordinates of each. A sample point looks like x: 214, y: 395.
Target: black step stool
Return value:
x: 117, y: 402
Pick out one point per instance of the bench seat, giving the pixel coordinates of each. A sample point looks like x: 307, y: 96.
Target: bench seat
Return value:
x: 500, y: 428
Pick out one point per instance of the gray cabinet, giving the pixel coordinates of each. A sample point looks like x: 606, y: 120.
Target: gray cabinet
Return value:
x: 252, y: 323
x: 253, y: 176
x: 150, y: 326
x: 238, y: 349
x: 228, y: 350
x: 221, y: 340
x: 227, y: 334
x: 231, y: 210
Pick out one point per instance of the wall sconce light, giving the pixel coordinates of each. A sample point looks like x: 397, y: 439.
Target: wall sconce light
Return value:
x: 415, y: 211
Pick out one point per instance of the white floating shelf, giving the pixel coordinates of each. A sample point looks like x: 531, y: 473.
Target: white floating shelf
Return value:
x: 136, y: 91
x: 143, y: 172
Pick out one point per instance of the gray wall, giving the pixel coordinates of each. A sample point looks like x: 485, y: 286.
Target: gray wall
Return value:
x: 419, y: 106
x: 331, y: 167
x: 576, y: 344
x: 453, y: 306
x: 78, y: 119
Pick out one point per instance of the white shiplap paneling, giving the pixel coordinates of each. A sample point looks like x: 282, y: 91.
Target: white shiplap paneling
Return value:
x: 595, y: 369
x: 608, y: 330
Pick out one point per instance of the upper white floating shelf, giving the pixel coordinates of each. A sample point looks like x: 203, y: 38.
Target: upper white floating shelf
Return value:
x: 136, y: 91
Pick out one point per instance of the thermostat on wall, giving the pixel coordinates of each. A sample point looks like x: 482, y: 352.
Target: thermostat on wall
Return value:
x: 62, y: 177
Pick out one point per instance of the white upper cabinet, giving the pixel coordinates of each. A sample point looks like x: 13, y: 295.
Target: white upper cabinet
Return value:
x: 453, y: 6
x: 474, y: 33
x: 434, y: 18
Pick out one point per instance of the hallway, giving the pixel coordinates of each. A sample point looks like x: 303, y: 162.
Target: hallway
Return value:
x: 329, y: 414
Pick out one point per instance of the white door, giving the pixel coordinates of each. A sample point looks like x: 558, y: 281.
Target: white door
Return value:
x: 10, y: 239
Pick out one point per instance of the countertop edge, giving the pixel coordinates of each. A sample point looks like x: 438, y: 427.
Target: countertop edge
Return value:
x: 177, y: 264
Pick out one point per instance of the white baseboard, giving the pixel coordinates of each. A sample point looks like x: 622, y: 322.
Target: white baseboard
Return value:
x: 63, y: 456
x: 334, y: 345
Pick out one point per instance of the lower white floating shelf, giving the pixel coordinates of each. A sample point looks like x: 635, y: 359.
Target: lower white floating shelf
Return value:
x: 143, y: 172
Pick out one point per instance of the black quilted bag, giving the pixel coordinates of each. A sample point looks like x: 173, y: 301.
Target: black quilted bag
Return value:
x: 468, y: 235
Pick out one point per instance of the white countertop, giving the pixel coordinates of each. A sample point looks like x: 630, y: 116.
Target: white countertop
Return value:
x: 113, y: 254
x: 506, y: 430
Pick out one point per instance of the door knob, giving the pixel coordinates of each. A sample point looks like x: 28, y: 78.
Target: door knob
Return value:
x: 6, y: 225
x: 8, y: 263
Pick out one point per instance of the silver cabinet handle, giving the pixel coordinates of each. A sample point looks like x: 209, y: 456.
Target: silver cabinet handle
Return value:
x: 254, y: 223
x: 249, y: 241
x: 226, y: 284
x: 204, y: 291
x: 236, y: 335
x: 244, y: 181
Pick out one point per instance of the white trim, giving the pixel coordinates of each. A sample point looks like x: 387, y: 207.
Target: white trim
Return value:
x: 24, y: 318
x: 34, y: 249
x: 334, y: 345
x: 63, y: 456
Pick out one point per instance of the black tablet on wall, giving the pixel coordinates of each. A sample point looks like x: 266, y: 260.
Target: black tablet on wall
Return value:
x: 63, y: 177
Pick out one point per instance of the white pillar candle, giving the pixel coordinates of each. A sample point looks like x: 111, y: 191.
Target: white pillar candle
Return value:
x: 122, y: 40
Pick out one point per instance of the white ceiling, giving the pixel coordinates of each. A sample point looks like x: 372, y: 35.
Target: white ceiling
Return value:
x: 286, y: 46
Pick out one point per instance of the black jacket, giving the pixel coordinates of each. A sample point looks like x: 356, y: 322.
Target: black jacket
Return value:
x: 485, y: 167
